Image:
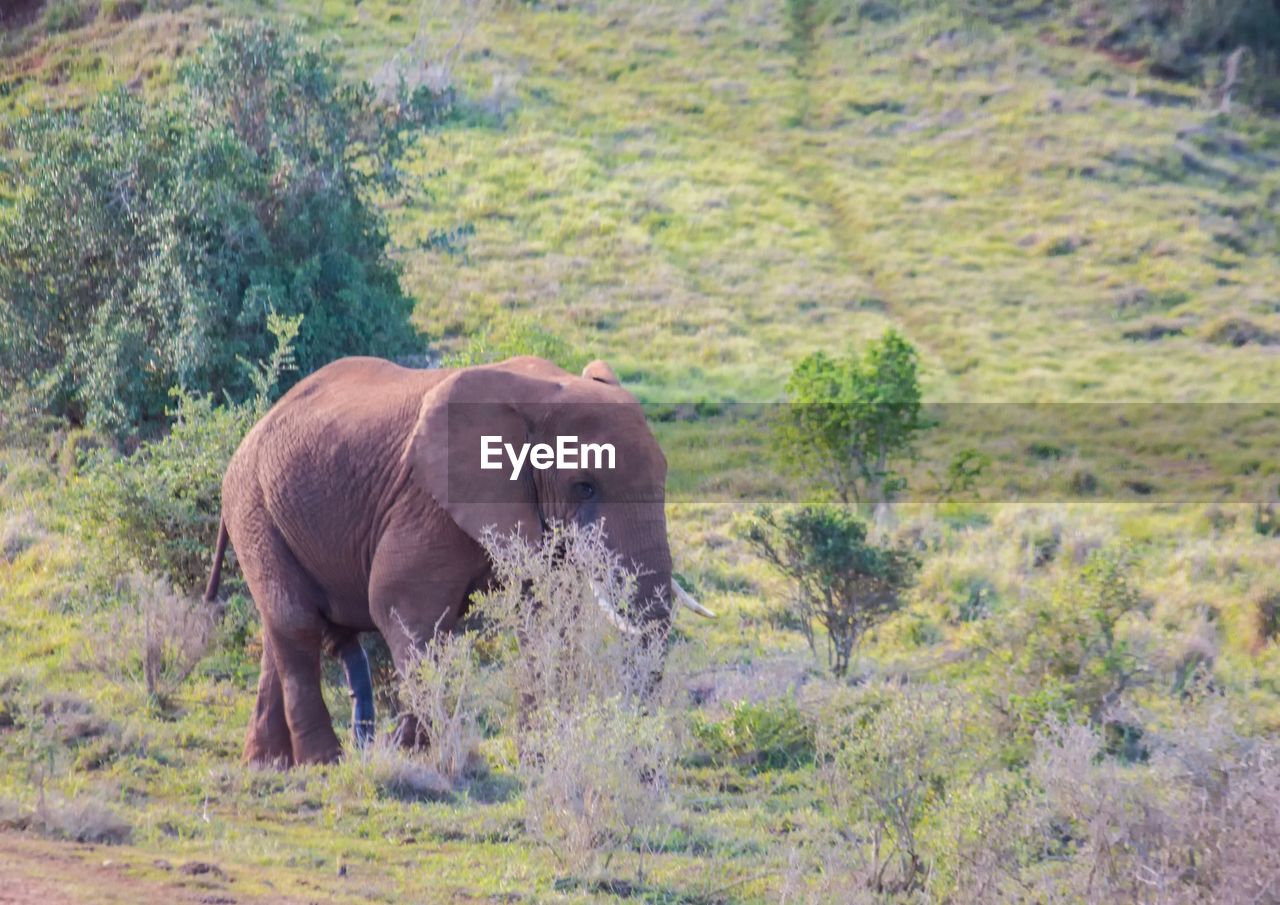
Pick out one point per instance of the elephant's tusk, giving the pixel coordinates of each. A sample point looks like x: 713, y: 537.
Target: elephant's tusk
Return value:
x: 614, y: 617
x: 683, y: 597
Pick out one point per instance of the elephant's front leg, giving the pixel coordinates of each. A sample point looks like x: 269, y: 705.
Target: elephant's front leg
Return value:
x: 415, y: 593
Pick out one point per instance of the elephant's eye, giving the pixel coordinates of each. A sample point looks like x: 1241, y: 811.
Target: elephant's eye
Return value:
x: 583, y: 490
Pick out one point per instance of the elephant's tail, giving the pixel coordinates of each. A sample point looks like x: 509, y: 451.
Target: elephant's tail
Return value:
x: 215, y: 575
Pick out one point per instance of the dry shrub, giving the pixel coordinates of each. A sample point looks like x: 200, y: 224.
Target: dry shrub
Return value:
x: 429, y: 62
x: 156, y: 637
x: 440, y: 690
x: 596, y: 778
x: 19, y: 533
x: 384, y: 768
x: 585, y: 698
x: 74, y: 819
x: 884, y: 756
x: 926, y: 806
x: 564, y: 649
x: 1197, y: 825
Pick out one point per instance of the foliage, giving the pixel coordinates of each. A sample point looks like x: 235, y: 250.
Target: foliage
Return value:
x: 512, y: 336
x: 597, y: 777
x: 147, y: 246
x: 1197, y: 37
x: 595, y: 740
x: 843, y: 582
x: 769, y: 735
x: 64, y: 15
x: 85, y: 820
x: 1068, y: 651
x: 702, y: 261
x: 561, y: 646
x: 886, y: 763
x: 155, y: 637
x: 440, y: 691
x: 1195, y: 825
x: 158, y: 510
x: 849, y: 418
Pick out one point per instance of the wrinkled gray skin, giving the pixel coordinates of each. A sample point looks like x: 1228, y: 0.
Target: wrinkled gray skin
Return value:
x: 357, y: 503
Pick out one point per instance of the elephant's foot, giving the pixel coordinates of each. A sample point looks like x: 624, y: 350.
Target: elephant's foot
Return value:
x: 267, y: 753
x: 410, y: 734
x: 317, y: 744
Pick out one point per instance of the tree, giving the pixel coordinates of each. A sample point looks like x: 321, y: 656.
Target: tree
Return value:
x: 851, y: 417
x: 146, y: 246
x: 843, y: 583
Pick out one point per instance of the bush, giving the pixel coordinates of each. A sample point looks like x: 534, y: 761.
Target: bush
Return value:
x: 596, y: 777
x: 1068, y: 652
x: 440, y: 691
x: 849, y: 418
x: 515, y: 336
x: 64, y: 15
x: 887, y: 763
x: 158, y: 510
x: 147, y: 246
x: 155, y: 637
x: 1197, y: 826
x: 1197, y: 38
x: 595, y: 741
x: 924, y: 810
x: 561, y: 648
x: 771, y: 735
x: 385, y: 768
x: 122, y: 10
x: 843, y: 583
x: 84, y: 820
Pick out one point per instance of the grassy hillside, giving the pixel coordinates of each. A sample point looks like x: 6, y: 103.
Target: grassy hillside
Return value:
x: 701, y: 194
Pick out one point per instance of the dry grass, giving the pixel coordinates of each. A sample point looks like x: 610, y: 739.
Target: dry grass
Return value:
x: 440, y: 691
x: 385, y: 768
x: 18, y: 533
x: 77, y: 820
x: 156, y: 637
x: 595, y: 744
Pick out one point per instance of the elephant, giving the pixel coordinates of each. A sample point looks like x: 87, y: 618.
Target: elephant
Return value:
x: 358, y: 503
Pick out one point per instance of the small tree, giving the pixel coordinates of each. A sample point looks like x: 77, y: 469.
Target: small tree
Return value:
x: 843, y: 583
x: 158, y: 510
x: 1069, y: 651
x: 850, y: 418
x: 144, y: 246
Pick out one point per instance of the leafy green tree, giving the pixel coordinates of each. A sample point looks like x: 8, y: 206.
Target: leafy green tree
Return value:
x: 843, y: 583
x: 158, y: 509
x: 850, y: 418
x: 146, y: 247
x: 1068, y: 653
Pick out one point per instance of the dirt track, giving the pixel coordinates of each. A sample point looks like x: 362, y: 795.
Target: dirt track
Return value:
x: 38, y: 872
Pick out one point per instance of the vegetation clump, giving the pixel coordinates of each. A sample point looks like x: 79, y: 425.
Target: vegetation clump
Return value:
x: 844, y: 583
x: 148, y: 245
x: 848, y: 419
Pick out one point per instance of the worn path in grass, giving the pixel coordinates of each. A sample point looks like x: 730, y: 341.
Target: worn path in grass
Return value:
x: 37, y: 872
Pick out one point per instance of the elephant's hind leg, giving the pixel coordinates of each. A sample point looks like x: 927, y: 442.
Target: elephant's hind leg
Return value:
x: 293, y: 630
x: 268, y: 742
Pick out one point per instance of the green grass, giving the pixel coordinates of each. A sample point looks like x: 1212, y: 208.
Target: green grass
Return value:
x: 668, y: 195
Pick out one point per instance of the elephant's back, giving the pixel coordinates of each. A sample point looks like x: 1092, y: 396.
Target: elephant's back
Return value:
x: 324, y: 455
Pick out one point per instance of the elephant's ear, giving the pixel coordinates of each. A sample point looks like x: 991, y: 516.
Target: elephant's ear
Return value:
x: 601, y: 372
x: 446, y: 449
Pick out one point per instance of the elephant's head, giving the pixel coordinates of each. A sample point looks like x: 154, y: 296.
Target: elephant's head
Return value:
x: 483, y: 415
